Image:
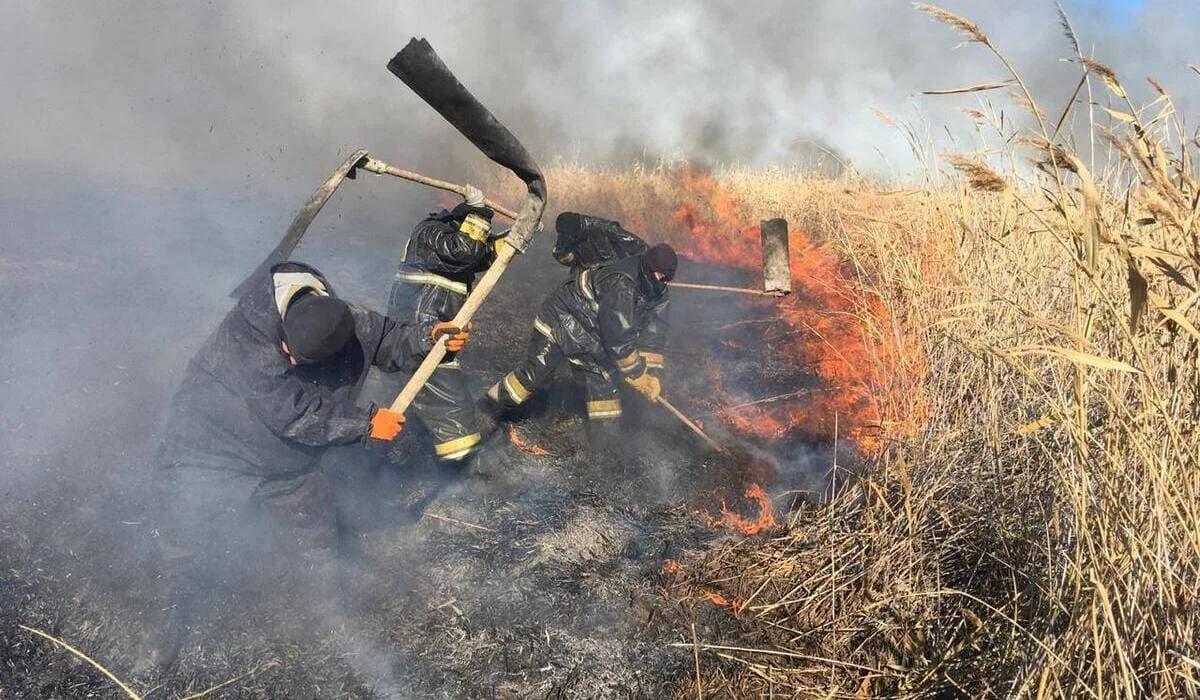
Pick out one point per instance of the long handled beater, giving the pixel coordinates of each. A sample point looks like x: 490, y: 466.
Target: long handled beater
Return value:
x: 689, y: 423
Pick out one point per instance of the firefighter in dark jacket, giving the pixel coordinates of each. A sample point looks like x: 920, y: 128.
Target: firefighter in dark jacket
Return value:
x: 609, y: 325
x: 444, y: 253
x: 269, y: 391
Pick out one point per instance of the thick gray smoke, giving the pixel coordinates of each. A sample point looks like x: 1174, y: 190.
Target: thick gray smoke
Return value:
x: 154, y: 152
x: 264, y: 95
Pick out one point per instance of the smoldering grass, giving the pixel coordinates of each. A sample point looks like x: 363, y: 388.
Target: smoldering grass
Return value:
x: 225, y: 684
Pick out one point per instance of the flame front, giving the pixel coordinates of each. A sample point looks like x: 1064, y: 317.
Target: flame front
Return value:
x: 852, y: 364
x: 832, y: 326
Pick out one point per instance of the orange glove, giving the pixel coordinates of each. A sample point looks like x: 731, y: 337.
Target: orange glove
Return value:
x: 647, y: 385
x: 386, y: 424
x: 458, y: 336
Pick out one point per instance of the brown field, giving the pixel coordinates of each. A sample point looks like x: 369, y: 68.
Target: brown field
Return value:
x: 1012, y: 347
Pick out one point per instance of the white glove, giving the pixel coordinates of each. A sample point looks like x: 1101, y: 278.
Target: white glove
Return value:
x: 474, y: 196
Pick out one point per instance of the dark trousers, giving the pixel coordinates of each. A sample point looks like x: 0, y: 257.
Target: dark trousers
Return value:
x: 543, y: 359
x: 447, y: 410
x: 218, y: 529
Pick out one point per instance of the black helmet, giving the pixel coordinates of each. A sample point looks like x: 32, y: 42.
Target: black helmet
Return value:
x: 661, y: 258
x: 317, y: 327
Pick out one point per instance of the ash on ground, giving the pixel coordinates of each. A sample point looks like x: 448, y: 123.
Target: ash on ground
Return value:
x: 532, y: 575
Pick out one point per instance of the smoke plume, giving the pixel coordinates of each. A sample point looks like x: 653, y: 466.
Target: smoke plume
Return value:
x: 154, y: 152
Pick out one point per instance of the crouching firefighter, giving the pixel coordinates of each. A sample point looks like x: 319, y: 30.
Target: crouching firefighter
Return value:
x: 272, y: 388
x: 607, y: 322
x: 443, y: 255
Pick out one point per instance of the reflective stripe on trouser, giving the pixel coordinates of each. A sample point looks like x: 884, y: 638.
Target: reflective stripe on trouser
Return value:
x: 535, y: 373
x: 447, y: 410
x: 603, y: 399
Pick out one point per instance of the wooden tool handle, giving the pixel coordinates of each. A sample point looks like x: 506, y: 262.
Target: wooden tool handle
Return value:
x: 721, y: 288
x: 688, y: 422
x: 469, y: 307
x: 379, y: 167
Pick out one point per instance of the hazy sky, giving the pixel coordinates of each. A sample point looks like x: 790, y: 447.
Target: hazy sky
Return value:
x: 222, y: 91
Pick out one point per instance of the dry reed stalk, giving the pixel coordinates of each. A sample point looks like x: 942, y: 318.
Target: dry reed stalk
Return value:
x: 95, y: 664
x: 231, y: 681
x: 455, y: 521
x: 979, y: 175
x: 962, y: 24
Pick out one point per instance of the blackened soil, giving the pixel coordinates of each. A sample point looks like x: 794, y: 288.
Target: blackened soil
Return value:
x: 527, y: 576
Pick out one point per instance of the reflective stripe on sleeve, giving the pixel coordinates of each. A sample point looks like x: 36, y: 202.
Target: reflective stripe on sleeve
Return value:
x: 475, y: 227
x: 435, y: 280
x: 629, y: 363
x: 585, y: 288
x: 542, y: 327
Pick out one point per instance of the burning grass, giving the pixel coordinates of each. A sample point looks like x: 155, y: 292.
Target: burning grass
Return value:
x: 1024, y: 351
x: 1038, y: 535
x: 526, y: 446
x: 734, y: 520
x: 849, y: 360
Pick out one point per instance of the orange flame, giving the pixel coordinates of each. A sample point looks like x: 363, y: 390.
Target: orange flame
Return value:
x: 858, y: 372
x: 735, y: 606
x: 735, y: 521
x: 832, y: 325
x: 524, y: 445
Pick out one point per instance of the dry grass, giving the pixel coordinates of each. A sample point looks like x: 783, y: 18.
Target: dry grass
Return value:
x: 1040, y: 535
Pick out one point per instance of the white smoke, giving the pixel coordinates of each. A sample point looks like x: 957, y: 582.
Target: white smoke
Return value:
x: 265, y: 95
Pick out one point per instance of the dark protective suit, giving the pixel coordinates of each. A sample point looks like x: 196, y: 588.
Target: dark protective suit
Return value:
x: 246, y: 428
x: 237, y: 479
x: 605, y: 323
x: 436, y: 274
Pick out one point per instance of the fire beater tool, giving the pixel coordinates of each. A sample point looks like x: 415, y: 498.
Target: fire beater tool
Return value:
x: 777, y: 270
x: 425, y: 74
x: 419, y: 66
x: 360, y: 159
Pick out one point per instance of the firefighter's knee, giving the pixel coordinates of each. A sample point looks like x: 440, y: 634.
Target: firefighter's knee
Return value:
x: 604, y: 409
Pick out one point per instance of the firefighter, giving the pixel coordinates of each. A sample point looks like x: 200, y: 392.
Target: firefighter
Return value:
x: 444, y: 253
x: 607, y: 323
x: 270, y: 390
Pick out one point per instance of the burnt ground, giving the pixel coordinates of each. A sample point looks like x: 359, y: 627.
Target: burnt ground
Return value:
x: 528, y: 576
